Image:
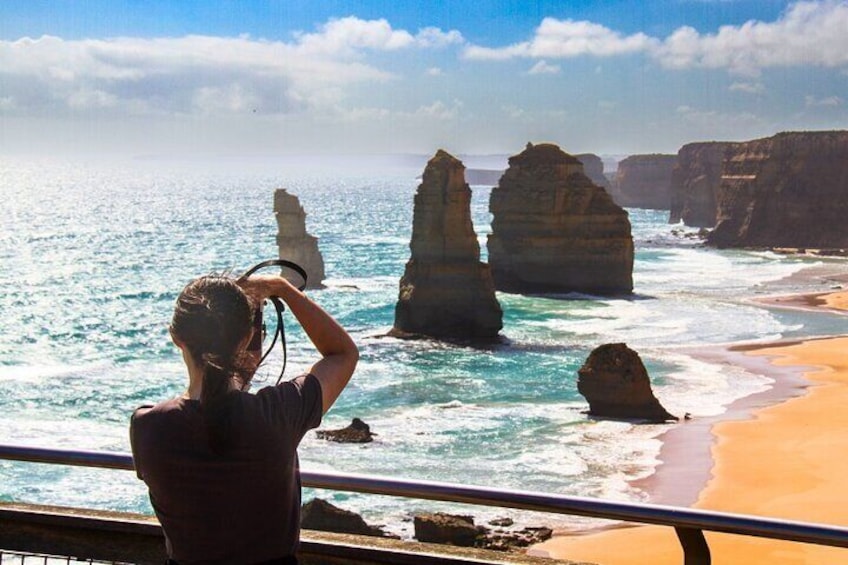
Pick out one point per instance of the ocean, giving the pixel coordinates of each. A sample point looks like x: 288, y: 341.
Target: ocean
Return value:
x: 94, y: 254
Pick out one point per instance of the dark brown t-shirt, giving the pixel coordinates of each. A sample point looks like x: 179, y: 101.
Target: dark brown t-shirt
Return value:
x: 242, y: 507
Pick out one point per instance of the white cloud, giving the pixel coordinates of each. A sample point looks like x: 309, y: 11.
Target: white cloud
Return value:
x: 829, y: 101
x: 543, y: 68
x: 807, y: 33
x: 434, y: 71
x: 747, y: 87
x: 201, y: 74
x: 564, y: 39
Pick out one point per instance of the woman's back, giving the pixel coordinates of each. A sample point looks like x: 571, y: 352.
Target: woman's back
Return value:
x: 240, y: 506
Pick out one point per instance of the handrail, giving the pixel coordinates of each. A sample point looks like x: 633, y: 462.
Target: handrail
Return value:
x: 687, y: 522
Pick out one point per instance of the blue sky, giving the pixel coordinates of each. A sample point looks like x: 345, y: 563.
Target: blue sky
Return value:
x: 301, y: 77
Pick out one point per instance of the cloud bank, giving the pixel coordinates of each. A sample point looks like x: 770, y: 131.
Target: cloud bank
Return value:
x: 807, y: 33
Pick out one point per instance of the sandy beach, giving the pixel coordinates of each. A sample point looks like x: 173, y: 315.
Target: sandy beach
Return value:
x: 785, y: 460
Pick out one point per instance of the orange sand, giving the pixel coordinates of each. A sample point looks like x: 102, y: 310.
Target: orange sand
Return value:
x: 789, y: 461
x: 838, y: 300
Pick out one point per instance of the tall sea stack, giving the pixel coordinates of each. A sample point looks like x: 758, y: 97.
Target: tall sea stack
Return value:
x: 788, y: 190
x: 445, y: 291
x: 293, y: 243
x: 554, y: 230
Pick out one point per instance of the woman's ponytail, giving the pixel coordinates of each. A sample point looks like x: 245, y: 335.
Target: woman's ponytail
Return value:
x: 213, y: 319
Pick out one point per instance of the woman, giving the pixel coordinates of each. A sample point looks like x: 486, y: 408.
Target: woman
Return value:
x: 221, y: 464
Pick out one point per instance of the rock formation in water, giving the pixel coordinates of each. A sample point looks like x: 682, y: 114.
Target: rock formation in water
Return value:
x: 357, y: 432
x: 555, y: 231
x: 445, y: 291
x: 788, y: 190
x: 593, y: 167
x: 644, y: 181
x: 293, y: 242
x: 616, y: 384
x: 695, y: 182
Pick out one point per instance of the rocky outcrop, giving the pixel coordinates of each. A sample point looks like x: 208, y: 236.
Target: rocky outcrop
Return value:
x: 616, y: 384
x: 318, y: 514
x: 695, y: 181
x: 445, y: 291
x: 293, y: 243
x: 593, y: 167
x: 789, y: 190
x: 644, y: 181
x: 461, y: 531
x: 554, y: 230
x: 357, y: 432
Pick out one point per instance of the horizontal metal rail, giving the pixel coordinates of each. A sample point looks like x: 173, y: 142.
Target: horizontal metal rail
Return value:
x: 687, y: 522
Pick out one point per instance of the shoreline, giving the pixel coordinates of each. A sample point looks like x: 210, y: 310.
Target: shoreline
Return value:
x: 703, y: 463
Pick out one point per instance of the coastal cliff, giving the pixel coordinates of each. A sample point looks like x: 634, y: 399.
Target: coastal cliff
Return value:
x: 788, y: 190
x: 293, y: 242
x: 445, y: 291
x: 695, y: 182
x: 554, y: 230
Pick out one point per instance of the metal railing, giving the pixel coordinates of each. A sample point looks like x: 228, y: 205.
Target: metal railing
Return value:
x: 688, y: 523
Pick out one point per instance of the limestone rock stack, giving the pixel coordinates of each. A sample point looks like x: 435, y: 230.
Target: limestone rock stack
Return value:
x: 788, y: 190
x: 554, y: 230
x: 695, y: 182
x: 616, y: 384
x: 445, y: 291
x: 293, y: 242
x: 644, y: 181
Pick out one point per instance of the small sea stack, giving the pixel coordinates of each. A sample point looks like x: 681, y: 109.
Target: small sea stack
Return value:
x: 293, y: 242
x: 616, y: 384
x: 555, y: 231
x: 446, y: 292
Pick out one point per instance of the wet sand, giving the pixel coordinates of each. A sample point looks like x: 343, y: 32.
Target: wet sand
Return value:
x: 780, y: 454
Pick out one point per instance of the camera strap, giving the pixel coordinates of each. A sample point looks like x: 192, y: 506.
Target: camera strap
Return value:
x: 279, y: 307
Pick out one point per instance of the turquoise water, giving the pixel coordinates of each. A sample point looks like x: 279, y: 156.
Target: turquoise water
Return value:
x: 93, y: 256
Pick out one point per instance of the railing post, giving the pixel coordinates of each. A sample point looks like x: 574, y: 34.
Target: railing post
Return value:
x: 695, y: 548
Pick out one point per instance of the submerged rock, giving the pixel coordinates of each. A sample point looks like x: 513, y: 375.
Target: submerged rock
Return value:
x: 616, y: 384
x: 293, y: 243
x: 555, y: 231
x: 445, y: 291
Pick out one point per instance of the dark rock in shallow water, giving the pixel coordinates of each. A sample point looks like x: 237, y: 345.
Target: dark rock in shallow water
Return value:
x: 318, y: 514
x: 357, y: 432
x: 449, y: 529
x: 460, y: 530
x: 616, y: 384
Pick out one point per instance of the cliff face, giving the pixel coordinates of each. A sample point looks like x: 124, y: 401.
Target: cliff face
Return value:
x: 695, y: 182
x: 553, y: 230
x: 293, y: 243
x: 593, y: 167
x: 445, y: 291
x: 789, y: 190
x: 644, y: 181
